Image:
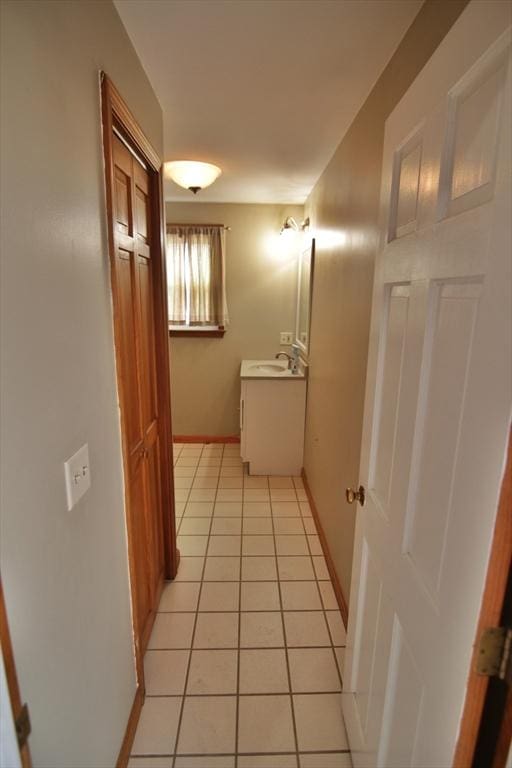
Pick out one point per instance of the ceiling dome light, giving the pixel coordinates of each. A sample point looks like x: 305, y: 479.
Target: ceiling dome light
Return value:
x: 191, y: 174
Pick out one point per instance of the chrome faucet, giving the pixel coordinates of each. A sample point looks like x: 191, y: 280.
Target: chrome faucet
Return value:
x: 288, y: 357
x: 293, y: 359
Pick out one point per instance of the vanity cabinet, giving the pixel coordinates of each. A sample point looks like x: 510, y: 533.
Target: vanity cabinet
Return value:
x: 272, y: 416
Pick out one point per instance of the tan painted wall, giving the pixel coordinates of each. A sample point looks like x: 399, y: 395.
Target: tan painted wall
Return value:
x: 343, y: 208
x: 65, y: 573
x: 261, y: 289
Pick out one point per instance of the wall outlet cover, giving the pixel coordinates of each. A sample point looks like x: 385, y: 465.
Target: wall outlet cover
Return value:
x: 286, y: 337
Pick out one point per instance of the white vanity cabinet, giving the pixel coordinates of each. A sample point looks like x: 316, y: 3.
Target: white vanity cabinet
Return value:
x: 272, y: 416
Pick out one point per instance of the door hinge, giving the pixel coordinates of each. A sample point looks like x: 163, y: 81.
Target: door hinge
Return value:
x: 23, y: 727
x: 494, y: 653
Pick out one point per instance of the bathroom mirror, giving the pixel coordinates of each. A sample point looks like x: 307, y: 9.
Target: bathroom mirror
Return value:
x: 304, y: 294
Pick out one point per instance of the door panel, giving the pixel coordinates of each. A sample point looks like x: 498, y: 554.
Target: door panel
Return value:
x: 437, y: 408
x: 156, y: 534
x: 140, y: 550
x: 369, y: 609
x: 402, y: 706
x: 147, y: 348
x: 389, y: 377
x: 446, y: 358
x: 126, y: 322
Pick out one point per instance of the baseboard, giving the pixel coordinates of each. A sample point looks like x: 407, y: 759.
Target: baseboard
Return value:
x: 340, y: 597
x: 206, y: 438
x: 131, y: 727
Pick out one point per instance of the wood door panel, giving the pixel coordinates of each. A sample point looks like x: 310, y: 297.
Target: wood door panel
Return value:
x: 141, y: 215
x: 155, y: 537
x: 140, y: 550
x: 122, y: 188
x: 122, y: 198
x: 126, y: 321
x: 147, y: 346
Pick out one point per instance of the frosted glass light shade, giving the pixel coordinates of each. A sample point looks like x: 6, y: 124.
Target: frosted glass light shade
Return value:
x: 191, y: 174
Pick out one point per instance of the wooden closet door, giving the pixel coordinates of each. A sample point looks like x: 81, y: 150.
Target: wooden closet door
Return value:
x: 148, y: 379
x: 135, y: 341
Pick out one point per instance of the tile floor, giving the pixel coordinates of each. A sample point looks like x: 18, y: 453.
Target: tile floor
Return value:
x: 242, y: 668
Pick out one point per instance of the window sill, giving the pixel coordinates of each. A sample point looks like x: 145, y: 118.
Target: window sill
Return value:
x: 213, y: 333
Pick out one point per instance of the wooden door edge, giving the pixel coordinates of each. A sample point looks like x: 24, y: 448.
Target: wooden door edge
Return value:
x: 490, y: 612
x: 340, y: 597
x: 171, y: 554
x: 131, y: 727
x: 11, y: 675
x: 505, y: 737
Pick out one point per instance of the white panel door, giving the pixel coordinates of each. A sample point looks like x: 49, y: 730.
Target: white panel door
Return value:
x: 438, y: 403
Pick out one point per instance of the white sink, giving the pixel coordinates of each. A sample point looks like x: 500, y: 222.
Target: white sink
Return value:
x: 268, y: 368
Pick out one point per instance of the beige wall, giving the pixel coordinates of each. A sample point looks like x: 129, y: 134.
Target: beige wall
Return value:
x: 343, y: 208
x: 65, y: 573
x: 261, y: 290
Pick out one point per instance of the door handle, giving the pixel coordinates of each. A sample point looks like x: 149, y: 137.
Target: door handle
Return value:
x: 359, y: 495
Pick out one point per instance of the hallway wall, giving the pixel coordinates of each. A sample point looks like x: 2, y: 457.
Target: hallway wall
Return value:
x: 261, y: 287
x: 65, y: 574
x: 343, y: 208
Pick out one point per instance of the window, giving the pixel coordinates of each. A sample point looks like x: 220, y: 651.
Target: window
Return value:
x: 196, y: 278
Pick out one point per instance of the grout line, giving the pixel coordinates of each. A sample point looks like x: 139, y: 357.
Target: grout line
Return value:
x: 288, y: 673
x: 232, y: 695
x: 237, y: 710
x: 182, y: 708
x: 245, y: 754
x: 210, y: 610
x: 246, y: 647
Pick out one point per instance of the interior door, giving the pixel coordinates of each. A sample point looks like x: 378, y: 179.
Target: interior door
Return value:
x: 438, y: 403
x: 135, y: 344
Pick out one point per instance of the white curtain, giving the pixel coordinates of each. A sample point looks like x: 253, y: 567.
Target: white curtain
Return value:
x: 196, y: 275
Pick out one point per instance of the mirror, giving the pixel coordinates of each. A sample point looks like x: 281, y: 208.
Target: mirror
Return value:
x: 304, y: 294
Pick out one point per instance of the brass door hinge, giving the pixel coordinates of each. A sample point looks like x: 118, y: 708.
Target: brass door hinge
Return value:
x: 494, y: 653
x: 23, y: 727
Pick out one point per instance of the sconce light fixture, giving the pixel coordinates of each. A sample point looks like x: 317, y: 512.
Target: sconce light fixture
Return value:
x: 191, y: 174
x: 290, y: 223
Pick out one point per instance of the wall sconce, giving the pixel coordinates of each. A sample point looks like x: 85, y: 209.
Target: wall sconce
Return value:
x: 290, y: 223
x: 191, y: 174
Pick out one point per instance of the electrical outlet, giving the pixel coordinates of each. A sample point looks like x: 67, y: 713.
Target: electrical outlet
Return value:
x: 286, y: 337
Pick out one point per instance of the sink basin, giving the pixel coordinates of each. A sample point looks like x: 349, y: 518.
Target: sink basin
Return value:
x: 268, y: 368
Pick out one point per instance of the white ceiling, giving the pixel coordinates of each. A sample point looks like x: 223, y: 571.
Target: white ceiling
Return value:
x: 263, y: 88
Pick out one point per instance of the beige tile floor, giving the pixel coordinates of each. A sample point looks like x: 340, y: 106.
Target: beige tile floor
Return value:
x: 243, y: 665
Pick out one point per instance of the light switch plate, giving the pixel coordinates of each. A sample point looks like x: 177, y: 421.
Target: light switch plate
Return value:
x: 286, y: 337
x: 77, y: 472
